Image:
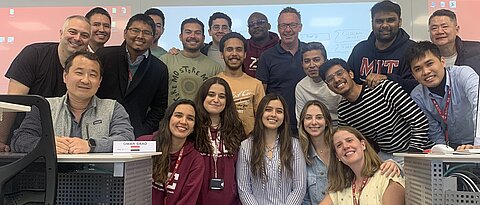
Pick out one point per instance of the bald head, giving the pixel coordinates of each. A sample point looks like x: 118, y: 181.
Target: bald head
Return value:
x: 258, y: 27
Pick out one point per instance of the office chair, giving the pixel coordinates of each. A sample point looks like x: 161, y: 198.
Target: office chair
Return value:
x: 44, y: 152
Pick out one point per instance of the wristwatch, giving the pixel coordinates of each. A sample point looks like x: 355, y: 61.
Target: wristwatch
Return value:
x: 92, y: 144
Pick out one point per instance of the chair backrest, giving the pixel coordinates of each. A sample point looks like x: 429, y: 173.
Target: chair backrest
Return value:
x: 44, y: 151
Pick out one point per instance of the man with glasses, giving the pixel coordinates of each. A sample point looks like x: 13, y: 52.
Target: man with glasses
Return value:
x: 385, y: 115
x: 312, y: 87
x: 159, y: 19
x: 280, y: 67
x: 443, y: 28
x: 38, y: 68
x: 381, y: 56
x: 101, y: 28
x: 219, y: 24
x: 189, y: 68
x: 260, y: 40
x: 134, y: 77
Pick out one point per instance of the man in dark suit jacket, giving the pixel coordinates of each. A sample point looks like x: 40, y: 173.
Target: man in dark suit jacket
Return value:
x: 134, y: 77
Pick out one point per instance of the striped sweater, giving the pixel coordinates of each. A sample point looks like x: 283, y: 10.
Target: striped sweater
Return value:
x: 388, y: 117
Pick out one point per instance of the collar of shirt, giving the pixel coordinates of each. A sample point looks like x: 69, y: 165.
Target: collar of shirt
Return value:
x: 139, y: 58
x: 447, y: 85
x: 311, y: 152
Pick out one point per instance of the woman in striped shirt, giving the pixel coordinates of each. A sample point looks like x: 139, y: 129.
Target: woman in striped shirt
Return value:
x: 271, y: 166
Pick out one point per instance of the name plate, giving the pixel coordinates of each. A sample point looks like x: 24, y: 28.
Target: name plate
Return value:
x: 134, y: 146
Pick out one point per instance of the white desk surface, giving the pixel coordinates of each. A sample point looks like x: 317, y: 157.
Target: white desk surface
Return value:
x: 10, y: 107
x: 92, y: 157
x: 444, y: 157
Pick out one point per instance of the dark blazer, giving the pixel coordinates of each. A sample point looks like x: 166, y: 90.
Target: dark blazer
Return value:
x: 145, y: 99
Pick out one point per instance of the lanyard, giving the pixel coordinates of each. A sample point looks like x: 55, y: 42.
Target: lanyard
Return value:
x: 355, y: 200
x: 444, y: 114
x: 217, y: 149
x: 172, y: 176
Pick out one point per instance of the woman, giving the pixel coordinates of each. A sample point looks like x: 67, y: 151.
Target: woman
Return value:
x: 315, y: 129
x: 219, y: 137
x: 271, y: 166
x: 179, y: 168
x: 354, y: 175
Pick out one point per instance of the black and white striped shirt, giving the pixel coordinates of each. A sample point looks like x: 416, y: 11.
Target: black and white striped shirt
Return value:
x: 387, y: 116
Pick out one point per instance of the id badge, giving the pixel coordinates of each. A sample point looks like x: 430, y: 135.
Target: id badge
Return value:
x: 217, y: 184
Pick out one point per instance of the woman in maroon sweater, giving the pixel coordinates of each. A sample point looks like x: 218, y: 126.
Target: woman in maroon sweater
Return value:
x: 180, y: 167
x: 219, y: 137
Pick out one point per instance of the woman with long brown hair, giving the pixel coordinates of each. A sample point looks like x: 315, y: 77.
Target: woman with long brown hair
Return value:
x: 271, y: 166
x: 219, y: 137
x: 354, y: 175
x: 178, y: 171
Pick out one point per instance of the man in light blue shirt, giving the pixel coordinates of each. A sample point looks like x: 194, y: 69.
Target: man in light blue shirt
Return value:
x: 447, y: 95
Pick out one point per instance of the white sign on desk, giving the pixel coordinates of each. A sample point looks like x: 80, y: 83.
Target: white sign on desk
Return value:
x: 134, y: 146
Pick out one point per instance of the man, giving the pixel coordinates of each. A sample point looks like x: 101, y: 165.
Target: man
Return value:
x: 260, y: 40
x: 312, y: 87
x: 159, y: 19
x: 247, y: 91
x: 280, y: 67
x: 385, y: 115
x: 101, y: 28
x: 38, y: 68
x: 381, y: 56
x: 136, y: 78
x: 189, y: 68
x: 82, y: 122
x: 444, y: 29
x: 447, y: 95
x: 219, y: 24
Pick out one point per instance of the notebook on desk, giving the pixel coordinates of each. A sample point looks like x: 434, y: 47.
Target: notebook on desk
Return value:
x: 468, y: 151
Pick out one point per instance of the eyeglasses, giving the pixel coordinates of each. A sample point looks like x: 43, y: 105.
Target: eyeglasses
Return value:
x: 284, y: 26
x: 329, y: 79
x: 218, y: 27
x: 136, y: 31
x: 257, y: 23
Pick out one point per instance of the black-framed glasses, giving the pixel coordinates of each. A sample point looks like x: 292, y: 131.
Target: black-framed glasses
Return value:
x: 136, y: 31
x: 218, y: 27
x: 261, y: 22
x: 330, y: 78
x: 284, y: 26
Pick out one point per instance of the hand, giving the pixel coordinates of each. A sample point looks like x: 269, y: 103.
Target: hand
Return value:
x: 467, y: 146
x: 390, y: 169
x: 174, y: 51
x: 78, y: 146
x: 62, y: 144
x: 4, y: 147
x: 374, y: 79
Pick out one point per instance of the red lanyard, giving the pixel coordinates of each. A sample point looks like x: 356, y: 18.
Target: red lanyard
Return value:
x: 444, y: 114
x: 172, y: 176
x: 355, y: 200
x: 218, y: 149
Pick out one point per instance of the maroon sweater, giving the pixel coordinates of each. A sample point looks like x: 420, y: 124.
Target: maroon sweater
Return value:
x: 226, y: 171
x: 186, y: 185
x: 254, y: 51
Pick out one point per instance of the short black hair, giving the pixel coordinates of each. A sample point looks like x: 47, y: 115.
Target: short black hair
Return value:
x: 444, y: 12
x: 156, y: 12
x: 192, y: 20
x: 314, y: 46
x: 386, y: 6
x: 232, y: 35
x: 86, y: 54
x: 143, y: 18
x: 330, y: 63
x: 98, y: 10
x: 219, y: 15
x: 419, y: 50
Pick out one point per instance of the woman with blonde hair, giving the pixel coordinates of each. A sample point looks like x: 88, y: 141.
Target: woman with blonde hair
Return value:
x: 354, y: 175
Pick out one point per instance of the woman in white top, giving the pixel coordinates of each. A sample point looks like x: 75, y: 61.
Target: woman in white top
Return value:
x: 354, y: 174
x: 271, y: 166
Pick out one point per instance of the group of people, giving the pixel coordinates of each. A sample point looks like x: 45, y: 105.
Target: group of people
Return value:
x: 268, y: 120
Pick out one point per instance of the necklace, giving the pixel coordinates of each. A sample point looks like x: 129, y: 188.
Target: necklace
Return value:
x: 270, y: 149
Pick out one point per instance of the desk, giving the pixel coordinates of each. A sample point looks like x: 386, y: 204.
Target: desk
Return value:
x: 103, y: 178
x: 426, y: 184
